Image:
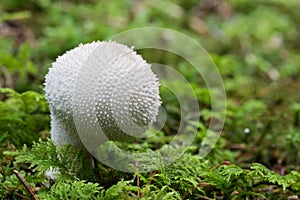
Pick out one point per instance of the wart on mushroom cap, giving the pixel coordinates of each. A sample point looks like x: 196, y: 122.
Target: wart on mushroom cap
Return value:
x: 126, y: 97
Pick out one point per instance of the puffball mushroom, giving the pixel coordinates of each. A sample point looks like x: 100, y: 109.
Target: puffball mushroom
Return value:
x: 126, y: 95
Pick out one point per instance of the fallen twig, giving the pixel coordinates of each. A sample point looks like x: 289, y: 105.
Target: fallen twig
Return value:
x: 136, y: 165
x: 26, y: 184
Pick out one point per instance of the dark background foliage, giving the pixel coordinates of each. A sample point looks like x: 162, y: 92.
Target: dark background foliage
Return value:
x: 255, y: 45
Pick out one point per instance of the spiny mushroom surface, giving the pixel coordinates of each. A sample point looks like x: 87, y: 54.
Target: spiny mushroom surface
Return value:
x: 125, y: 95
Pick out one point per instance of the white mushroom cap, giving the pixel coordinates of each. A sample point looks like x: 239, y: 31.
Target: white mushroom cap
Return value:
x: 125, y: 97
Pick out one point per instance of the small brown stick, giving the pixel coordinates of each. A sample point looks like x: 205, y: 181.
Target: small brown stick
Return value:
x: 26, y: 184
x: 136, y: 165
x: 223, y: 163
x: 204, y: 197
x: 149, y: 182
x: 152, y: 177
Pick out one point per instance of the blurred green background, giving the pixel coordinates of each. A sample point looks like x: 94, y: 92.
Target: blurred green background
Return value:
x: 255, y: 45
